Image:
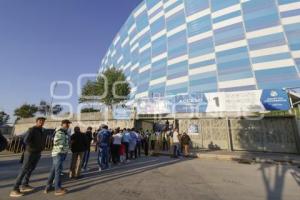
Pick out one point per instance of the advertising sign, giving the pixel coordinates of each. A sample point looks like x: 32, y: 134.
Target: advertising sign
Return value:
x: 247, y: 101
x: 275, y: 100
x: 121, y: 112
x: 241, y: 101
x: 158, y: 105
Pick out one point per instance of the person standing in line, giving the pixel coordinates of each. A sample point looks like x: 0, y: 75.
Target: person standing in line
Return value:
x: 142, y: 134
x: 86, y: 156
x: 152, y: 141
x: 35, y: 141
x: 176, y: 143
x: 117, y: 140
x: 78, y: 147
x: 158, y: 145
x: 146, y: 143
x: 103, y: 139
x: 164, y: 141
x: 169, y: 139
x: 185, y: 141
x: 132, y: 144
x: 167, y: 125
x: 180, y: 144
x: 126, y: 140
x: 95, y: 140
x: 59, y: 153
x: 122, y: 154
x: 138, y: 144
x: 110, y: 146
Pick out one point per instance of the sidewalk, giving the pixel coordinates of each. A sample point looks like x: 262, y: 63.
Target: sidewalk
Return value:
x: 245, y: 157
x: 7, y: 154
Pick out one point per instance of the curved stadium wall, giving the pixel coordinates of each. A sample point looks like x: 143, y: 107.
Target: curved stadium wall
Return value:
x: 169, y: 47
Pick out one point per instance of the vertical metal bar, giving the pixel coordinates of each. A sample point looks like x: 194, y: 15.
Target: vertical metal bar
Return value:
x: 16, y: 150
x: 230, y: 142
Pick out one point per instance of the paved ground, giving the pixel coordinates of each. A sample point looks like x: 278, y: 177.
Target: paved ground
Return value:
x: 162, y: 178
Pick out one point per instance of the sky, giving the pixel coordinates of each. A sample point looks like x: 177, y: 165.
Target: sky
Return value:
x: 42, y: 41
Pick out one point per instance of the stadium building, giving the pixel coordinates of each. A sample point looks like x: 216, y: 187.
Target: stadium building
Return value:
x: 169, y: 47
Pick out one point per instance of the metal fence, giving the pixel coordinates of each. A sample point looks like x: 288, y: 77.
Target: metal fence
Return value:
x: 16, y: 144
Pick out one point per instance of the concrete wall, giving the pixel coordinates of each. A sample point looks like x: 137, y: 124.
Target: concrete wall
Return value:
x: 268, y: 134
x: 83, y: 121
x: 210, y: 131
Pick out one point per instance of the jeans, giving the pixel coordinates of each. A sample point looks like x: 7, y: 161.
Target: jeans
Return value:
x: 176, y: 151
x: 56, y: 170
x: 29, y: 164
x: 85, y: 159
x: 103, y: 157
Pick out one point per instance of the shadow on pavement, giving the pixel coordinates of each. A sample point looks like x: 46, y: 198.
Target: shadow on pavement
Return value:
x: 90, y: 178
x: 274, y: 170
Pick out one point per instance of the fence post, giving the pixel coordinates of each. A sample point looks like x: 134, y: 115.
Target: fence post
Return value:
x: 229, y: 135
x: 297, y: 134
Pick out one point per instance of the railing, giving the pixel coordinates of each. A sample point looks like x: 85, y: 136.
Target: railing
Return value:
x: 16, y: 144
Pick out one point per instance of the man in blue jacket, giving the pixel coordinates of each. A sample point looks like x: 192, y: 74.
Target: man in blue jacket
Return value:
x: 103, y: 139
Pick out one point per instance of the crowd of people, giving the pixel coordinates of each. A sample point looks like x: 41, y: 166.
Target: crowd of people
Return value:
x: 114, y: 147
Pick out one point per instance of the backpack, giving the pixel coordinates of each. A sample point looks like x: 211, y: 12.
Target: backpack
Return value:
x: 3, y: 143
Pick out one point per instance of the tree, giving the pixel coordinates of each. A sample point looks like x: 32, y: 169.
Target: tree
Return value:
x: 117, y: 87
x: 56, y: 109
x: 45, y: 108
x: 26, y: 111
x: 4, y: 117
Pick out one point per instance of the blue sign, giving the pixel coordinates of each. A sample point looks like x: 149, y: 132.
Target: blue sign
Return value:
x: 276, y: 99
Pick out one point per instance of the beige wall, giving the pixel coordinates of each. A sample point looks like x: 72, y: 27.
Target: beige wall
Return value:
x: 210, y: 131
x: 268, y: 134
x: 85, y: 120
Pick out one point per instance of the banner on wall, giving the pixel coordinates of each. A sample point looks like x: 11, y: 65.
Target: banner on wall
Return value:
x: 122, y: 112
x: 157, y: 105
x: 242, y: 101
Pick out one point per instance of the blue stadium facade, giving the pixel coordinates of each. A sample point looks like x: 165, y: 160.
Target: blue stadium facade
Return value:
x: 169, y: 47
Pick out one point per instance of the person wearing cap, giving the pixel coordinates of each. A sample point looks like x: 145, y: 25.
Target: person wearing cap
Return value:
x: 59, y: 153
x: 35, y: 140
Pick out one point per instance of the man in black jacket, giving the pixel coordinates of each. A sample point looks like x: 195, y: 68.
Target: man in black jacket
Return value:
x: 86, y: 156
x: 78, y: 147
x: 35, y: 140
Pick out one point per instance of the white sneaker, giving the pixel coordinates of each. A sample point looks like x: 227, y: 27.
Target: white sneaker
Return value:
x: 100, y: 169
